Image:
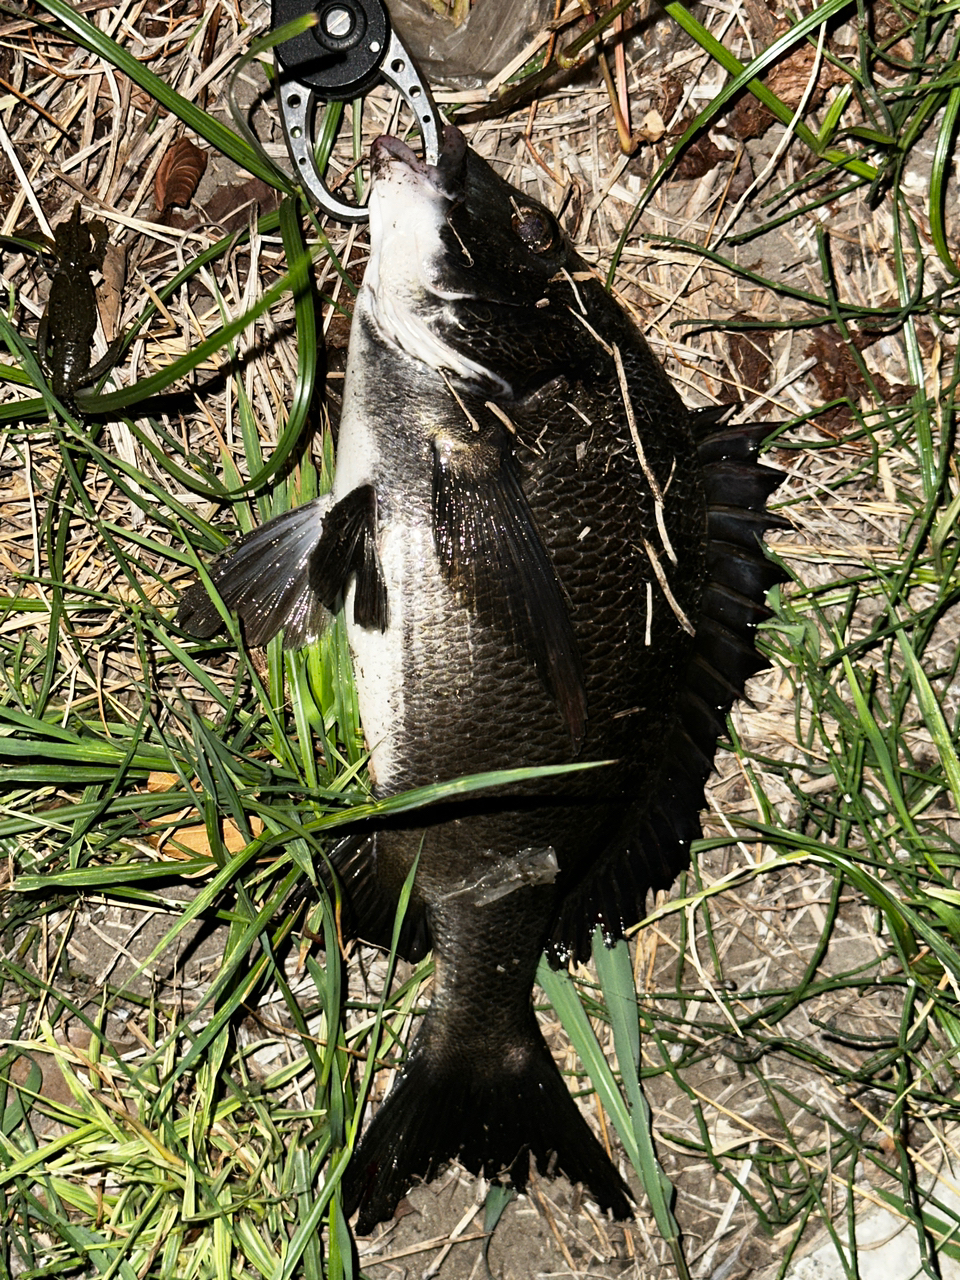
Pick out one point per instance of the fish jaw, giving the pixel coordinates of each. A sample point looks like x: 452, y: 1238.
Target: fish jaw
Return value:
x: 466, y: 274
x: 403, y: 285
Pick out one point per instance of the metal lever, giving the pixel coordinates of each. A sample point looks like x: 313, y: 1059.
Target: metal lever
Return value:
x: 350, y: 48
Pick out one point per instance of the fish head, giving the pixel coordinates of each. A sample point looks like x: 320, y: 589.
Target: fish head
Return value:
x: 468, y: 274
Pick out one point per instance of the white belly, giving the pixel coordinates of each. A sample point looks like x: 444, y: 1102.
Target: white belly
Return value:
x: 381, y: 660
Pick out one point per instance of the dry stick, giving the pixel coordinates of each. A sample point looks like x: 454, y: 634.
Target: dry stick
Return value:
x: 32, y: 104
x: 620, y: 63
x: 591, y: 330
x: 25, y: 185
x: 658, y: 505
x: 499, y: 413
x: 532, y: 114
x: 551, y: 1220
x: 665, y: 588
x: 424, y: 1246
x: 723, y: 1223
x: 767, y: 397
x: 627, y: 143
x: 453, y: 1238
x: 475, y: 425
x: 571, y: 280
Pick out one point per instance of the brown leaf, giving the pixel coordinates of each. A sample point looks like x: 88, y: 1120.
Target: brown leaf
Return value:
x: 788, y: 78
x: 230, y: 204
x: 699, y: 158
x: 836, y: 371
x: 750, y: 354
x: 838, y: 377
x: 110, y: 293
x: 179, y: 175
x: 195, y: 837
x: 159, y: 780
x: 748, y: 118
x: 208, y: 49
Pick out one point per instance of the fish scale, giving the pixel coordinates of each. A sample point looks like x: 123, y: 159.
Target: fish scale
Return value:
x: 544, y: 558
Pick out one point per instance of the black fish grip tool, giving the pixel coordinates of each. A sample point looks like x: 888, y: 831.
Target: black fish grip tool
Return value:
x: 350, y: 48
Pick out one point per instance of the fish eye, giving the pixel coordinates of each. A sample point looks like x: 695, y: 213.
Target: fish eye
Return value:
x: 536, y: 228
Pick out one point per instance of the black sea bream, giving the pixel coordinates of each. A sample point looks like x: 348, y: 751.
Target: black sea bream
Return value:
x: 544, y: 558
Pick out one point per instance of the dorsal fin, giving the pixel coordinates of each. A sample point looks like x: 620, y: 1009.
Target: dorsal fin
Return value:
x: 652, y: 844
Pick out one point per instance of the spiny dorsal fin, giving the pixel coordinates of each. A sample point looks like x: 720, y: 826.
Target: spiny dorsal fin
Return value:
x: 653, y: 842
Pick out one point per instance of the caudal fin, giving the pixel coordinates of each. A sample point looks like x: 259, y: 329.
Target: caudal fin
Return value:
x: 438, y: 1112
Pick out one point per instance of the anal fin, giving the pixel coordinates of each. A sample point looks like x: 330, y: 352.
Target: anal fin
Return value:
x: 369, y: 906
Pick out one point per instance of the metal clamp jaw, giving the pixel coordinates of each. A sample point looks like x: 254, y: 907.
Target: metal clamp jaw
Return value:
x: 350, y: 48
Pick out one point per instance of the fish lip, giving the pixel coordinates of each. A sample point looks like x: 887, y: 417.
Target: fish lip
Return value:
x: 446, y: 176
x: 387, y: 148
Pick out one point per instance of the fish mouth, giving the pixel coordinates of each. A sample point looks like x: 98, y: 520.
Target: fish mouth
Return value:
x: 408, y: 284
x: 446, y: 177
x: 395, y: 166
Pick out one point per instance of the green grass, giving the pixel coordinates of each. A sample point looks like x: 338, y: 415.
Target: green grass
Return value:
x: 185, y: 1156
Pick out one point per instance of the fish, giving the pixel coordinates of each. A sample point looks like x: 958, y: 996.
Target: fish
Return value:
x: 544, y: 558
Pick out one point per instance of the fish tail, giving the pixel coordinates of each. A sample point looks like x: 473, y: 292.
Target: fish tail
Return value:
x: 444, y: 1108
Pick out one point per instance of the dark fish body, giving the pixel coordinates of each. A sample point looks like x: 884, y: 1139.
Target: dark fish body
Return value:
x: 545, y: 558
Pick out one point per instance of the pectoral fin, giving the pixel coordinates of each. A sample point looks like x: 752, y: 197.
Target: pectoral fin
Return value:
x: 349, y: 546
x: 493, y: 556
x: 264, y: 578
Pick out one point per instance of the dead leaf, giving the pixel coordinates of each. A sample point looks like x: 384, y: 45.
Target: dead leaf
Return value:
x: 208, y: 49
x: 750, y: 355
x: 195, y: 837
x: 748, y: 119
x: 838, y: 377
x: 699, y: 158
x: 652, y: 128
x: 230, y: 205
x: 158, y: 780
x: 179, y: 175
x: 110, y: 293
x: 788, y: 79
